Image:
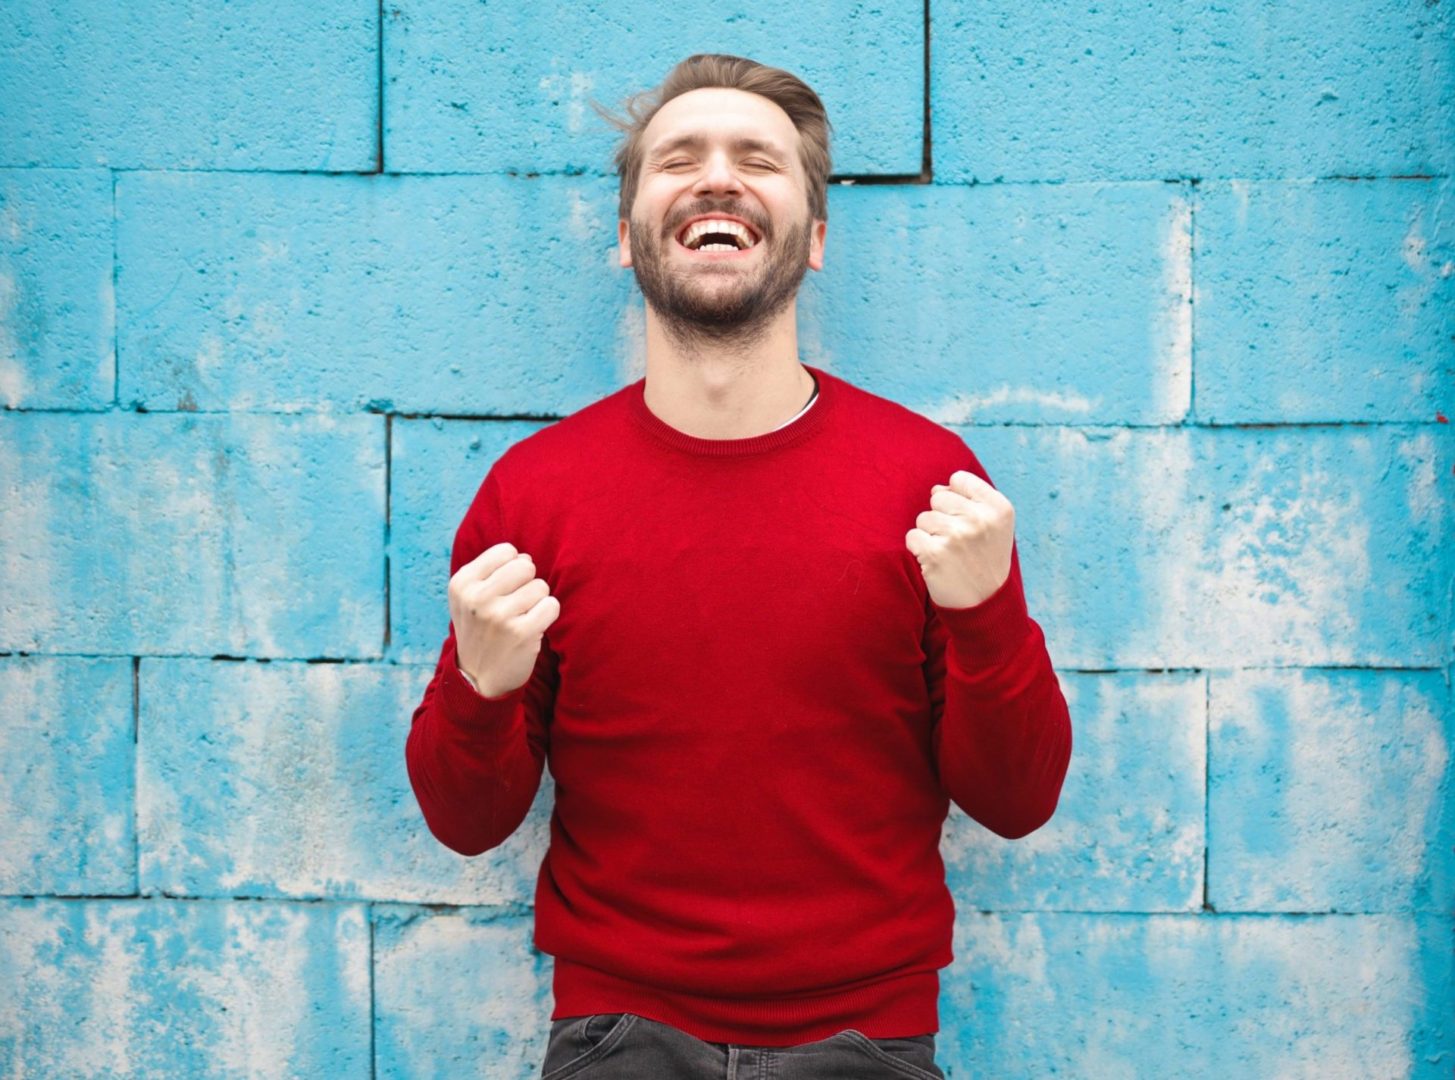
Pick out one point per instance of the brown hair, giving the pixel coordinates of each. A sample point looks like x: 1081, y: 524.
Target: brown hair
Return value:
x: 703, y: 70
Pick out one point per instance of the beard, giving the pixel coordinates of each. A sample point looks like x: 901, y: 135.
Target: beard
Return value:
x: 719, y: 303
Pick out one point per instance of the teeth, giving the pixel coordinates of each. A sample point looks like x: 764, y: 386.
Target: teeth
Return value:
x: 698, y: 229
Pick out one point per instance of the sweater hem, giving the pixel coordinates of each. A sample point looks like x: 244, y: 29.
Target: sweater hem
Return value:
x: 894, y: 1007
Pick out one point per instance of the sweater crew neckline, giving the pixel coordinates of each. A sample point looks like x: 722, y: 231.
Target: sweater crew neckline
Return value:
x: 800, y: 427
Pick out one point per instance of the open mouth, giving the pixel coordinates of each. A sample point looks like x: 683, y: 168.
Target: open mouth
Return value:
x: 717, y: 235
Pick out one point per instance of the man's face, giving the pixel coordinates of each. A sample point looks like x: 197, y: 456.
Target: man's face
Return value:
x: 728, y: 156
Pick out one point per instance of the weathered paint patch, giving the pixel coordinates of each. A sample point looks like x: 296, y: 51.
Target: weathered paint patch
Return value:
x: 1325, y: 300
x: 187, y: 988
x: 992, y: 304
x: 462, y: 993
x: 66, y: 738
x: 1331, y: 791
x: 1226, y: 547
x: 57, y: 323
x: 473, y: 88
x: 289, y: 292
x: 1128, y: 832
x: 289, y: 779
x: 1104, y: 92
x: 186, y: 534
x: 170, y: 85
x: 1131, y: 995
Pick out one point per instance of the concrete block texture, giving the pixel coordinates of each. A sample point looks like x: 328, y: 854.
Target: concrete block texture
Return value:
x: 1331, y: 790
x: 293, y: 292
x: 184, y: 988
x: 178, y: 85
x: 287, y: 779
x: 246, y: 534
x: 1132, y: 995
x: 1129, y: 832
x: 1232, y: 546
x: 478, y: 1013
x: 473, y: 87
x: 57, y: 292
x: 66, y: 730
x: 1325, y: 300
x: 1126, y: 91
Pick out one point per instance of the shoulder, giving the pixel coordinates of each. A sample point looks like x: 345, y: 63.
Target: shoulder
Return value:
x: 922, y: 444
x: 561, y: 448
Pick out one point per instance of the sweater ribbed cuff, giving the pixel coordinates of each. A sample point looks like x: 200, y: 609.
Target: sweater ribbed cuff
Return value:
x: 989, y: 632
x: 466, y: 708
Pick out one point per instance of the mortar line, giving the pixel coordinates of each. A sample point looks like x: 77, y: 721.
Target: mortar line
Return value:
x: 1192, y: 304
x: 927, y: 171
x: 379, y: 96
x: 115, y: 321
x: 136, y: 775
x: 388, y: 489
x: 373, y: 1051
x: 1206, y: 783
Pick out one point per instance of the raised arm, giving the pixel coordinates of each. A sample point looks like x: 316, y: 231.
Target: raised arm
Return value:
x: 475, y: 761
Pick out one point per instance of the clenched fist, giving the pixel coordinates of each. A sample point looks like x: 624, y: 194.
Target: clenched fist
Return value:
x: 500, y: 610
x: 963, y: 542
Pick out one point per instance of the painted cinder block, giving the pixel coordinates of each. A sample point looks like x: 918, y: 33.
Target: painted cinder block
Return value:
x: 173, y: 84
x: 1325, y: 300
x: 1116, y: 91
x: 288, y: 779
x: 1128, y: 830
x: 1232, y: 547
x: 57, y: 304
x: 184, y: 988
x: 1331, y: 791
x: 190, y: 534
x: 1134, y: 995
x: 459, y: 993
x: 1064, y: 304
x: 282, y: 292
x: 470, y: 87
x: 436, y: 467
x: 66, y: 733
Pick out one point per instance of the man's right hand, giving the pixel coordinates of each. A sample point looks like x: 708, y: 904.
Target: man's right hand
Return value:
x: 500, y: 611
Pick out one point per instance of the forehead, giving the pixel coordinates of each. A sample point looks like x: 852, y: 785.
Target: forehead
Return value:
x: 719, y: 112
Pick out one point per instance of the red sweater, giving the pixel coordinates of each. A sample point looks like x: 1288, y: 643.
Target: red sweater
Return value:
x: 754, y: 716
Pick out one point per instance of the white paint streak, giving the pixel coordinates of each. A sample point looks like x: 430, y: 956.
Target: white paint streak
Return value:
x: 209, y: 355
x: 1171, y: 328
x: 576, y: 88
x: 962, y: 408
x: 12, y: 374
x: 1346, y: 762
x: 106, y: 335
x: 631, y: 341
x: 582, y: 220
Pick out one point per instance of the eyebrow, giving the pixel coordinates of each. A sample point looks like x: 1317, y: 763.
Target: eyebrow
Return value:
x: 741, y: 143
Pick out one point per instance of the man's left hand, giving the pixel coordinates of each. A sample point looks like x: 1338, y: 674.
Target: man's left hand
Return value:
x: 963, y: 542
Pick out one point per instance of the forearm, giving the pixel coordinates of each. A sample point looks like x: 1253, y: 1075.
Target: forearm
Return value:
x: 471, y: 763
x: 1003, y: 741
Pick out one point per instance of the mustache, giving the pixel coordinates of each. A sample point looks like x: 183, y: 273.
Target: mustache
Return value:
x: 736, y: 210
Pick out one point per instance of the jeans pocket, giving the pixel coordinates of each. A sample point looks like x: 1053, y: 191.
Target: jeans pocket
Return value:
x: 913, y: 1056
x: 577, y: 1041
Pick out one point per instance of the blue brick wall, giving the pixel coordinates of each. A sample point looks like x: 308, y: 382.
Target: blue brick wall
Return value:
x: 279, y: 281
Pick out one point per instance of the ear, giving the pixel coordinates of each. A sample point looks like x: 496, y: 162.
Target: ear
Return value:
x: 624, y: 242
x: 816, y: 244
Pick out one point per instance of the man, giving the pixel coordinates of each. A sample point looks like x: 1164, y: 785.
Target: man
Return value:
x: 757, y: 691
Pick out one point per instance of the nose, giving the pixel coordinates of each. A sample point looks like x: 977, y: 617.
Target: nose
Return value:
x: 717, y: 175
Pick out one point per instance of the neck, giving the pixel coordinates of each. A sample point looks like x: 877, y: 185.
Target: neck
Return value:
x: 726, y: 387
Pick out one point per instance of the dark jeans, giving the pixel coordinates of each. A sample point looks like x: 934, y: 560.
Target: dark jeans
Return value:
x: 625, y: 1046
